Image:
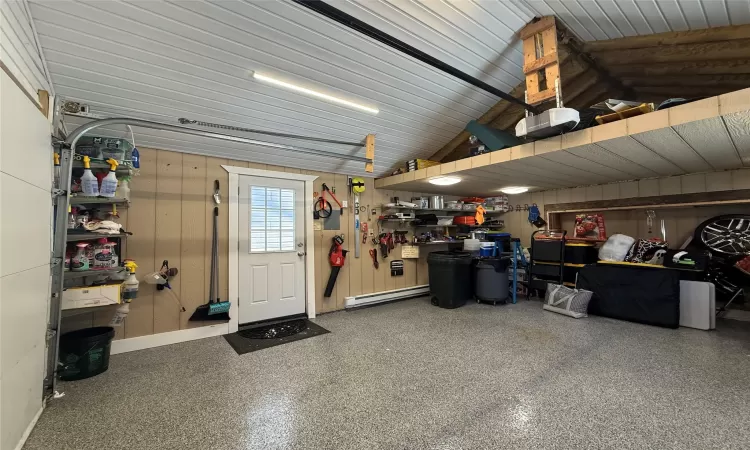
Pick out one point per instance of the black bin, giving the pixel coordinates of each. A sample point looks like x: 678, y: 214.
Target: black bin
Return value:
x: 450, y: 278
x: 85, y: 353
x: 546, y: 250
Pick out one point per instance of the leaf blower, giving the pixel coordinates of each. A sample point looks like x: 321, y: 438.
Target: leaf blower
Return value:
x: 336, y: 255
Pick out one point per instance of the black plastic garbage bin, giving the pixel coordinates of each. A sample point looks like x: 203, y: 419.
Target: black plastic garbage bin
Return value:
x: 450, y: 278
x: 492, y: 280
x: 85, y: 353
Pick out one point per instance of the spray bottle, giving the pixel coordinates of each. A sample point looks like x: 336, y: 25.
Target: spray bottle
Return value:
x: 80, y: 261
x: 130, y: 285
x: 89, y: 184
x: 109, y: 183
x: 72, y: 217
x: 129, y: 292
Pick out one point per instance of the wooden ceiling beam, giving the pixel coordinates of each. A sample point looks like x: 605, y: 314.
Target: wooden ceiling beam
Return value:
x: 660, y: 93
x: 738, y: 48
x: 731, y: 80
x: 718, y: 34
x: 713, y: 67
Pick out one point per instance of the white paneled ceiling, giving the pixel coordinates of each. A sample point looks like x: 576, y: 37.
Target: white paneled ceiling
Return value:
x: 161, y: 60
x: 164, y: 60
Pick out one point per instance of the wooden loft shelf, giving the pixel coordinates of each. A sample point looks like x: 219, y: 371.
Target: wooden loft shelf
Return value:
x: 702, y: 136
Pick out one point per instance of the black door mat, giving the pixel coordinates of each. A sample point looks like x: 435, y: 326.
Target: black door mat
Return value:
x: 267, y: 336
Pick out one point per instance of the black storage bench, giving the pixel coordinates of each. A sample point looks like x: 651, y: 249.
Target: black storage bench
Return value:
x: 635, y: 293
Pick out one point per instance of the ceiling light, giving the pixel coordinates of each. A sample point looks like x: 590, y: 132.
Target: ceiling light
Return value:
x: 444, y: 181
x: 300, y: 89
x: 514, y: 190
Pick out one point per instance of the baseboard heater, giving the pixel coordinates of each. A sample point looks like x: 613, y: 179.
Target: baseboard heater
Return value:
x: 388, y: 296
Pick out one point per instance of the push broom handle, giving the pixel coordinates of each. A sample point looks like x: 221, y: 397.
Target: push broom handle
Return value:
x: 215, y: 255
x: 214, y: 244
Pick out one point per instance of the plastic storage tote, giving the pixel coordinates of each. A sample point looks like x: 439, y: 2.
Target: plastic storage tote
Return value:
x: 104, y: 147
x: 450, y: 278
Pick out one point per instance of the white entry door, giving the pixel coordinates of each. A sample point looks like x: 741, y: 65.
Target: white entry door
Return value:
x: 271, y: 248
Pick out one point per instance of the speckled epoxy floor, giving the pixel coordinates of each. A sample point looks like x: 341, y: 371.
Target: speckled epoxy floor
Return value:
x: 408, y: 375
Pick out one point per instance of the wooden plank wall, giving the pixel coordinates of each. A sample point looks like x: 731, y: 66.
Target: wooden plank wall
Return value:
x: 170, y: 218
x: 680, y: 222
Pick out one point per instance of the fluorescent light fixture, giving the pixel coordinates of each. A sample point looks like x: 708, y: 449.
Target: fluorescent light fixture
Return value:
x: 514, y: 190
x: 444, y: 181
x: 302, y: 90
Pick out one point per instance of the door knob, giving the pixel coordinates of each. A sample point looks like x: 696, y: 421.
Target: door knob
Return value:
x: 301, y: 253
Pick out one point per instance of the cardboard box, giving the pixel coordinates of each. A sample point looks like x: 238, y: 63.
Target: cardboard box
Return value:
x: 89, y: 297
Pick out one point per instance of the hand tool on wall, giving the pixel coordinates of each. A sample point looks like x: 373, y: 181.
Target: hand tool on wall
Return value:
x: 217, y: 193
x: 364, y: 227
x: 336, y: 256
x: 333, y: 196
x: 357, y: 185
x: 374, y: 256
x: 321, y: 208
x: 215, y: 309
x: 383, y: 241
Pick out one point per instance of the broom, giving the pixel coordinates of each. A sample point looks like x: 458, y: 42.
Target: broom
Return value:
x: 215, y: 309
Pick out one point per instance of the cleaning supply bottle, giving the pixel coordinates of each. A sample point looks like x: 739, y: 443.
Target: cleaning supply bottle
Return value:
x: 114, y: 260
x: 80, y: 261
x: 72, y: 217
x: 109, y: 183
x: 129, y: 292
x: 123, y: 188
x: 130, y: 285
x: 103, y: 255
x: 89, y: 184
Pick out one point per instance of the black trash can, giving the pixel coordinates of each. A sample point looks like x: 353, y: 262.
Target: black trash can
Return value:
x: 85, y: 353
x: 450, y: 278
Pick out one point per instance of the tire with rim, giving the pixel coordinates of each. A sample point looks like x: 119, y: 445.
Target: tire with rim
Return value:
x: 727, y: 234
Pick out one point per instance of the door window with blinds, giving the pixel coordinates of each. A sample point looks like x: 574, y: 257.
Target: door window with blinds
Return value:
x: 271, y: 219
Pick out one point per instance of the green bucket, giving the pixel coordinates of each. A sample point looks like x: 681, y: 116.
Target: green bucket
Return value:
x: 85, y: 353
